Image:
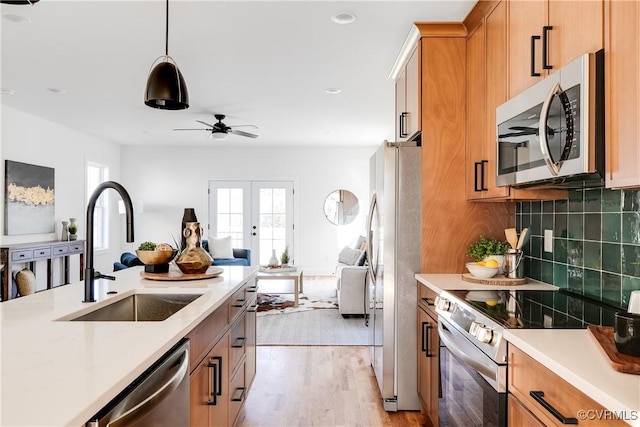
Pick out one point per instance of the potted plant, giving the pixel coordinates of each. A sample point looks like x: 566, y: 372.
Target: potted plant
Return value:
x: 486, y: 248
x: 284, y: 258
x: 73, y: 229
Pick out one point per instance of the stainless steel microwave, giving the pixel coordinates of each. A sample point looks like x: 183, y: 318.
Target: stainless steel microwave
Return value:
x: 552, y: 134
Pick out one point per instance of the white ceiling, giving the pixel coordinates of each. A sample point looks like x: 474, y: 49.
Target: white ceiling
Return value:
x: 266, y: 63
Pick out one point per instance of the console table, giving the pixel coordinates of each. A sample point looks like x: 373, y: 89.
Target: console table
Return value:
x: 30, y: 253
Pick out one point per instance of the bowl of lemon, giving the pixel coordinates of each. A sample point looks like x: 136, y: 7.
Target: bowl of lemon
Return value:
x: 483, y: 269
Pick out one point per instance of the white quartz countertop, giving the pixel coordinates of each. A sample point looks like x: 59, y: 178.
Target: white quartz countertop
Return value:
x: 60, y: 373
x: 572, y: 354
x: 454, y: 282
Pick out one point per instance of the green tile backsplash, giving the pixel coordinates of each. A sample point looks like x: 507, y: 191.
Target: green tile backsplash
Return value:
x: 596, y: 242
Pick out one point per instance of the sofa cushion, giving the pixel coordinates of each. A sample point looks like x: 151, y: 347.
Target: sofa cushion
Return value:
x: 231, y: 261
x: 349, y: 256
x: 220, y: 248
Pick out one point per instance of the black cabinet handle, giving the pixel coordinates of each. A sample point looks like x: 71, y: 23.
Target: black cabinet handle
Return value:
x: 538, y: 396
x: 252, y: 289
x: 545, y: 47
x: 482, y: 163
x: 216, y: 379
x: 533, y: 56
x: 475, y: 177
x: 238, y: 395
x: 426, y: 326
x: 252, y: 309
x: 403, y: 131
x: 239, y: 302
x: 429, y: 303
x: 239, y: 342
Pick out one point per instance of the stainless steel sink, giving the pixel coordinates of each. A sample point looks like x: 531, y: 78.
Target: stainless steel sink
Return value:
x: 139, y: 308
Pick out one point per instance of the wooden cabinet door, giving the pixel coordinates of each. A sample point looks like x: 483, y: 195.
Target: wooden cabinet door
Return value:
x: 428, y: 370
x: 571, y: 37
x: 412, y: 97
x: 401, y: 105
x: 519, y: 416
x: 526, y: 19
x: 209, y: 388
x: 250, y: 363
x: 622, y: 93
x: 476, y: 114
x: 497, y: 77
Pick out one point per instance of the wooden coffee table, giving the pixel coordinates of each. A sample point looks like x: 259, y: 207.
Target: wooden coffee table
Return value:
x: 296, y: 276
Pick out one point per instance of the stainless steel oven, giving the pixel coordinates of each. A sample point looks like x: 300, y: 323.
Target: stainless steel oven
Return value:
x: 552, y: 134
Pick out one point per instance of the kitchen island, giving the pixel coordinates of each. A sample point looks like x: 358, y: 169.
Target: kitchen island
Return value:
x: 571, y: 354
x: 60, y: 373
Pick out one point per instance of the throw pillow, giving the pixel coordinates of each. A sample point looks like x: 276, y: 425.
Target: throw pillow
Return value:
x: 362, y: 258
x: 348, y: 256
x: 220, y: 248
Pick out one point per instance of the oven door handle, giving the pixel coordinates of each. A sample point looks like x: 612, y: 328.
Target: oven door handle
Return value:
x: 464, y: 352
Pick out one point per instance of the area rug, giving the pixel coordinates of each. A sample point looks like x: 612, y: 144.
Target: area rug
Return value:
x: 283, y: 304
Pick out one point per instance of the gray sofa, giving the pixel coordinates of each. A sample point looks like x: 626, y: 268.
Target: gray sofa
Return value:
x: 351, y: 274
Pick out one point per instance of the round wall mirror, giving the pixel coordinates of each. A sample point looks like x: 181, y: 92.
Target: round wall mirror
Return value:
x: 341, y: 207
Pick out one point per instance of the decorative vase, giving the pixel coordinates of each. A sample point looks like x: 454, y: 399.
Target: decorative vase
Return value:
x: 73, y: 236
x: 188, y: 216
x: 194, y: 259
x: 273, y: 261
x: 64, y: 235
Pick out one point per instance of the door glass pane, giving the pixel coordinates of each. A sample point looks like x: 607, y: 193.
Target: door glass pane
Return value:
x: 229, y: 216
x: 273, y: 222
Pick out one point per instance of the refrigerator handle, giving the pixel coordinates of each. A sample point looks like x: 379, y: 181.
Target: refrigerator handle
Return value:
x: 372, y: 209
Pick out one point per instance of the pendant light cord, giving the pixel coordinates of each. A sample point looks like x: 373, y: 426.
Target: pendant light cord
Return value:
x: 166, y: 39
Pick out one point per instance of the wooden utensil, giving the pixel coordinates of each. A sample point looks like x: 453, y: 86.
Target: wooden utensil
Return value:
x: 512, y: 236
x: 524, y: 238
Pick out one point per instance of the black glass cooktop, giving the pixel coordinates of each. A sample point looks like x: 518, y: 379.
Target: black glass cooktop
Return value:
x: 562, y: 309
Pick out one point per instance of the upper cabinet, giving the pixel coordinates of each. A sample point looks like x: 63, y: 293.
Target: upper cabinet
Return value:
x: 622, y: 94
x: 487, y: 79
x: 408, y: 98
x: 545, y: 35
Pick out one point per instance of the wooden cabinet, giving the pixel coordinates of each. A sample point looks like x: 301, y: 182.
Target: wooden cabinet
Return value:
x: 519, y: 416
x: 408, y: 98
x: 545, y: 397
x: 487, y: 76
x: 545, y: 35
x: 223, y: 360
x: 622, y: 94
x: 428, y: 354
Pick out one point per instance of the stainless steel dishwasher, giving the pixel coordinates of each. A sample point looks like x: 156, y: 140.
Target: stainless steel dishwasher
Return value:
x: 157, y: 398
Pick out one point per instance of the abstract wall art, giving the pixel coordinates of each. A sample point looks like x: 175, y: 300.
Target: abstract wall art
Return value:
x: 29, y: 200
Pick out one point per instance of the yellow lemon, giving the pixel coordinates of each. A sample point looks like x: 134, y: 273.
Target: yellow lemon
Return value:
x: 491, y: 303
x: 491, y: 263
x: 480, y: 263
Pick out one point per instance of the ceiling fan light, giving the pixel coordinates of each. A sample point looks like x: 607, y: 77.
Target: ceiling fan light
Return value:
x: 219, y: 136
x: 166, y: 88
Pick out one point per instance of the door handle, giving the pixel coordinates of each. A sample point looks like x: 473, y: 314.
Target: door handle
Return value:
x: 475, y: 177
x: 538, y: 396
x: 482, y: 163
x: 216, y: 379
x: 426, y: 327
x: 403, y: 132
x: 545, y: 47
x: 533, y: 56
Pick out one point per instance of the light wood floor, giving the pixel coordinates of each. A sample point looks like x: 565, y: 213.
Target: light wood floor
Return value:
x: 318, y: 386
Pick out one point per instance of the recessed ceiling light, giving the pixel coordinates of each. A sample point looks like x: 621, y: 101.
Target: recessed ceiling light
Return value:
x: 343, y: 18
x: 333, y: 90
x: 5, y: 91
x: 56, y: 90
x: 16, y: 19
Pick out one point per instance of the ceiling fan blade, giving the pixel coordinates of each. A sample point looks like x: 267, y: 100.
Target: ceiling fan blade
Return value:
x: 208, y: 130
x: 242, y: 133
x: 239, y: 126
x: 205, y: 123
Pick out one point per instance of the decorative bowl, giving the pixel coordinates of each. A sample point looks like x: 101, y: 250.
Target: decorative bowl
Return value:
x: 156, y: 257
x: 481, y: 272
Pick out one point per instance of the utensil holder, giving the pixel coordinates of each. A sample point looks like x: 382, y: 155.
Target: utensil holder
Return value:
x: 513, y: 265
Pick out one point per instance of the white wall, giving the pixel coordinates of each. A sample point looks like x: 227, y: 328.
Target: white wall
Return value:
x: 30, y: 139
x: 169, y: 179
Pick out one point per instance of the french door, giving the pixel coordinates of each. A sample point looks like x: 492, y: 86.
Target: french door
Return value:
x: 256, y: 214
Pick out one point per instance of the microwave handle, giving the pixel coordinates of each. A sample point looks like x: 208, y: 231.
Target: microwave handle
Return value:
x: 554, y: 167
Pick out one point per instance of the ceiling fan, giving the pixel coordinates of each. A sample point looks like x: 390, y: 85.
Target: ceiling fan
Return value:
x: 220, y: 131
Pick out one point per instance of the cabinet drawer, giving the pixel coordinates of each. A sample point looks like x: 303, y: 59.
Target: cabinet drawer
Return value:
x: 206, y: 333
x: 42, y: 253
x: 527, y: 378
x: 60, y: 250
x: 19, y: 256
x: 75, y: 248
x: 237, y: 343
x: 238, y: 395
x: 426, y: 299
x: 237, y: 302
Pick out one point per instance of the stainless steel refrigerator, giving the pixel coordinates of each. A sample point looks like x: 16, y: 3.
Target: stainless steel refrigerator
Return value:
x: 394, y: 225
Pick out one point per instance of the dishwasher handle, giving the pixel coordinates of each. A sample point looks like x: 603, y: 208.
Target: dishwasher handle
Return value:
x: 128, y: 415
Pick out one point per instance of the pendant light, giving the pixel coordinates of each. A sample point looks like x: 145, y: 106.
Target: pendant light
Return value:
x: 166, y: 88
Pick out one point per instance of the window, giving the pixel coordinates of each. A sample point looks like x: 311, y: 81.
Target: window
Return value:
x: 97, y: 174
